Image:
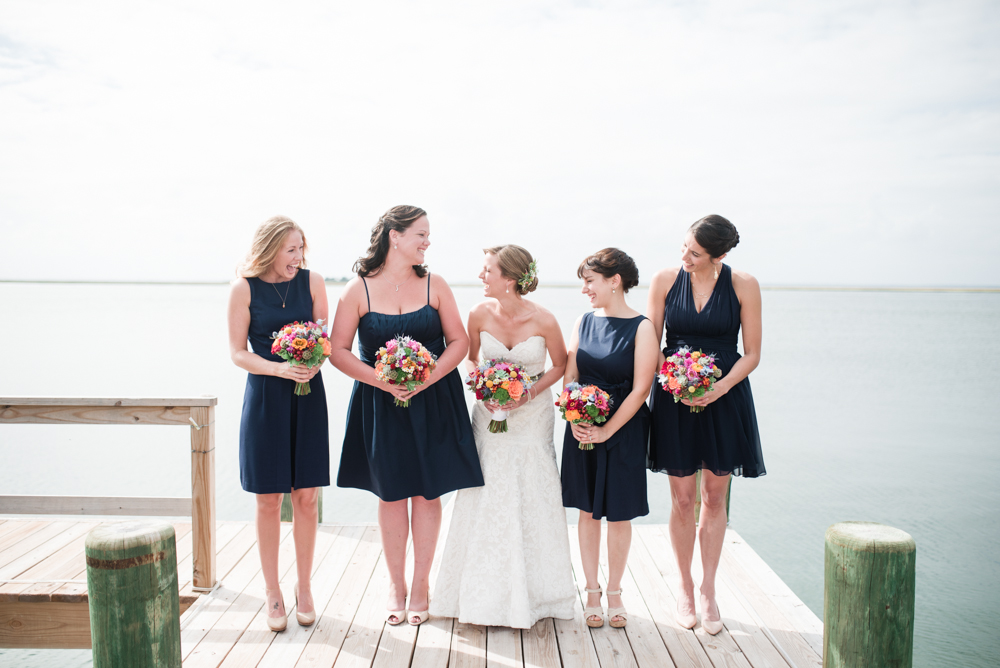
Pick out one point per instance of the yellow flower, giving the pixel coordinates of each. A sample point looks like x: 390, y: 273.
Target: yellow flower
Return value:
x: 691, y: 388
x: 695, y: 355
x: 489, y: 383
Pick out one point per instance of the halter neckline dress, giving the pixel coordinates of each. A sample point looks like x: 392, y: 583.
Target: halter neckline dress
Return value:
x: 424, y: 450
x: 724, y: 437
x: 284, y: 438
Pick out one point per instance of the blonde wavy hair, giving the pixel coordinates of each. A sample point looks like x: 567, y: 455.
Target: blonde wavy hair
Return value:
x: 267, y: 241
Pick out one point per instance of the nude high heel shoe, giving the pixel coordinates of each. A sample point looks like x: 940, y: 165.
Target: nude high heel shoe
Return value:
x: 303, y: 618
x: 617, y: 612
x: 276, y: 624
x: 596, y: 611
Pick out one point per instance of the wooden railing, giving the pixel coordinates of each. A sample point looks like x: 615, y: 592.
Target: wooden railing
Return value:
x: 197, y: 413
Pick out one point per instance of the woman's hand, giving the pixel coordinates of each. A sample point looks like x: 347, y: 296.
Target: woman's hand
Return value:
x: 717, y: 392
x: 296, y: 372
x: 589, y: 433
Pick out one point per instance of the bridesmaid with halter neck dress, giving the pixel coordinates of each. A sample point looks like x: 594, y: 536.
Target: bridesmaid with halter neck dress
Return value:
x: 703, y: 305
x: 284, y: 439
x: 407, y: 456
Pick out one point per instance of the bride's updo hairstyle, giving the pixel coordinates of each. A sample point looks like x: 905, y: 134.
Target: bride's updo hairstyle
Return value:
x: 715, y: 234
x: 514, y: 263
x: 609, y: 262
x: 397, y: 218
x: 267, y: 241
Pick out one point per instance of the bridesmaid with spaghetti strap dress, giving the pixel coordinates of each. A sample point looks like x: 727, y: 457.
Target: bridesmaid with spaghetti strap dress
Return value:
x: 408, y: 457
x: 703, y: 305
x: 284, y: 438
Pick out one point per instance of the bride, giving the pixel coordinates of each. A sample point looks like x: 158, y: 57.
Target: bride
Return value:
x: 506, y: 561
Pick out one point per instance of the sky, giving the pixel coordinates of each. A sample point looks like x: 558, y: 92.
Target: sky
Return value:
x: 852, y: 142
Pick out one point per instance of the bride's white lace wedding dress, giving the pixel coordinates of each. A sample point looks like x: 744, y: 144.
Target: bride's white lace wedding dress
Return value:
x: 506, y: 559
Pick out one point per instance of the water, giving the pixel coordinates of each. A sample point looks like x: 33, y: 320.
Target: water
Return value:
x: 864, y: 411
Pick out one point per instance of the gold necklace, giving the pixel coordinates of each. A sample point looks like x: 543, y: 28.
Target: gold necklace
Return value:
x: 279, y: 294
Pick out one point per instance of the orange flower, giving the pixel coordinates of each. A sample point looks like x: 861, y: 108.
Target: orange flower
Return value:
x: 299, y: 344
x: 326, y: 346
x: 515, y: 390
x: 572, y: 415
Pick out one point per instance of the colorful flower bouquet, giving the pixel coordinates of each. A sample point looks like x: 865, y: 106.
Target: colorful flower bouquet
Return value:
x: 502, y: 382
x: 302, y: 344
x: 690, y: 375
x: 584, y: 403
x: 404, y: 361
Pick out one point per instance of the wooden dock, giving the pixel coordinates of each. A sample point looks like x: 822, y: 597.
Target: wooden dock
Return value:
x: 43, y: 586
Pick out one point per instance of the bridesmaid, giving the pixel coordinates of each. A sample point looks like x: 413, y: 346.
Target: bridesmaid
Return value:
x: 406, y: 456
x: 284, y: 439
x: 703, y: 304
x: 613, y: 348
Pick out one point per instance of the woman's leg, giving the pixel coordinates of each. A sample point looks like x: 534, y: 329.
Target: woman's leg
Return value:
x: 268, y: 522
x: 682, y: 535
x: 426, y: 528
x: 305, y: 518
x: 619, y: 542
x: 394, y: 525
x: 711, y: 534
x: 589, y: 530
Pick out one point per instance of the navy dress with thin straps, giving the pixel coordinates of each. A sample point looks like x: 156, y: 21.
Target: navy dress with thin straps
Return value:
x: 610, y: 480
x: 723, y: 438
x: 426, y: 449
x: 284, y: 438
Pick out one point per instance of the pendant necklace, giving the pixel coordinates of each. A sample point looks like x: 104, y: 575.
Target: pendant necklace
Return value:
x: 394, y: 284
x: 279, y: 294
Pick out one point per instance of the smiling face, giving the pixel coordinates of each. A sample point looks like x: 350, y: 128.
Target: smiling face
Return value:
x: 695, y: 258
x: 286, y: 262
x: 598, y: 289
x: 494, y: 282
x: 413, y: 242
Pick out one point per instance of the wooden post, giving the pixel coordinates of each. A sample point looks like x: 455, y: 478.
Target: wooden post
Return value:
x: 868, y: 596
x: 286, y: 507
x: 133, y: 598
x: 697, y: 496
x: 203, y: 496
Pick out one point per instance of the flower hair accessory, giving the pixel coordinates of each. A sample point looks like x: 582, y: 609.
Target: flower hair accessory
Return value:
x: 528, y: 276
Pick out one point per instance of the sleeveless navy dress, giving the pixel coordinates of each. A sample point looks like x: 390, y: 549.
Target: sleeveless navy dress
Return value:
x: 424, y: 450
x: 284, y: 439
x: 723, y: 438
x: 610, y: 480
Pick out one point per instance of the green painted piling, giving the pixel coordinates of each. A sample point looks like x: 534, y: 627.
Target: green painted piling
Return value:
x: 868, y: 596
x: 133, y: 597
x: 286, y: 507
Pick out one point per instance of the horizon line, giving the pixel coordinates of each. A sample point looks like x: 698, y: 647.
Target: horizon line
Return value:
x: 777, y: 287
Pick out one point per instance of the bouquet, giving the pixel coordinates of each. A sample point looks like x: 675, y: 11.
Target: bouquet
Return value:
x: 501, y: 382
x: 403, y: 361
x: 687, y: 374
x: 584, y: 403
x: 302, y: 344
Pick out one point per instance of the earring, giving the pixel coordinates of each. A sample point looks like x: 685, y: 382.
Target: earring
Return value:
x: 396, y: 247
x: 716, y: 271
x: 508, y: 289
x: 612, y: 291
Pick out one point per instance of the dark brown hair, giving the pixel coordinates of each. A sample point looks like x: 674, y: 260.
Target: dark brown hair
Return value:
x: 715, y: 234
x: 609, y: 262
x: 397, y: 218
x: 514, y: 263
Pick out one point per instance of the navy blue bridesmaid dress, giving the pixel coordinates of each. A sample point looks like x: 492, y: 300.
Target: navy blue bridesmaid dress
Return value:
x: 610, y: 480
x: 723, y: 438
x: 426, y: 449
x: 284, y: 439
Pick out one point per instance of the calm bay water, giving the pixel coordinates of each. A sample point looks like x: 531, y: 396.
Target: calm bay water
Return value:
x: 860, y: 419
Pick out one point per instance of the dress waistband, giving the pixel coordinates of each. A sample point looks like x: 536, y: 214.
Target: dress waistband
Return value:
x: 706, y: 344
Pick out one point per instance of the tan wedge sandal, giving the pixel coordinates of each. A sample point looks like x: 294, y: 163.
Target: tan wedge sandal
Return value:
x: 597, y: 611
x: 617, y: 612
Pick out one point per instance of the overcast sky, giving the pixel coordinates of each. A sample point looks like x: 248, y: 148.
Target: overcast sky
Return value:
x: 851, y: 142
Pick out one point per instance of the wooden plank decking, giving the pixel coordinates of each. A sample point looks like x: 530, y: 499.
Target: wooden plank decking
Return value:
x: 42, y: 571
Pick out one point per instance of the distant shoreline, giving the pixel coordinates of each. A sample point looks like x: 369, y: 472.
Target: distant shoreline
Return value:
x: 773, y: 288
